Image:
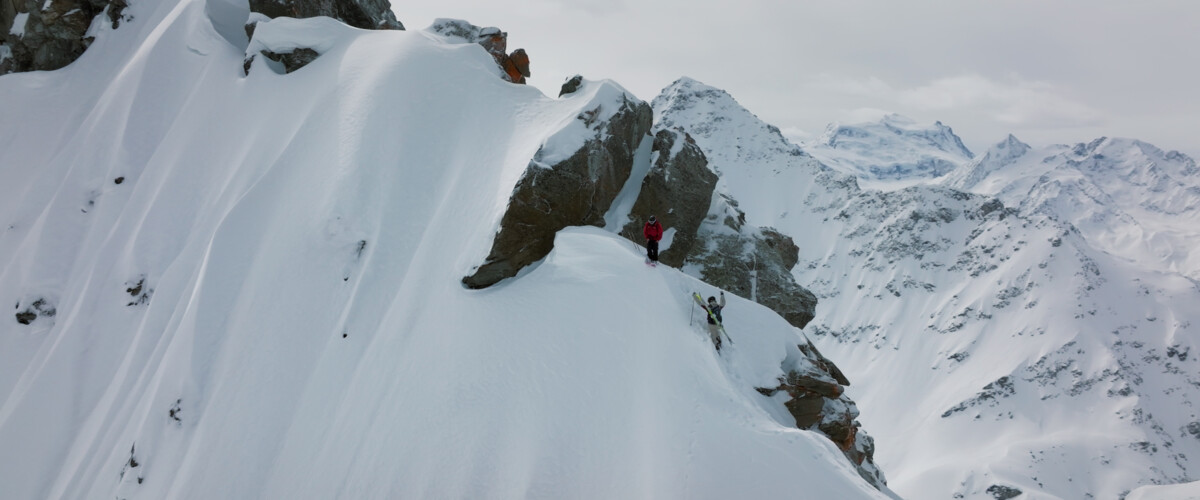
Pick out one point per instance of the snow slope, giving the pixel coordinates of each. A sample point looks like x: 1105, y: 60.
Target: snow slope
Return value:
x: 248, y: 287
x: 1187, y: 491
x: 992, y: 350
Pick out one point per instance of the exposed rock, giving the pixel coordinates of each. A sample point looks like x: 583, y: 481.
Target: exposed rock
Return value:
x: 515, y: 65
x: 494, y: 41
x: 365, y: 14
x: 571, y: 85
x: 1001, y: 492
x: 518, y: 61
x: 44, y: 35
x: 990, y: 395
x: 573, y: 192
x: 677, y: 190
x: 817, y: 401
x: 26, y: 317
x: 139, y: 292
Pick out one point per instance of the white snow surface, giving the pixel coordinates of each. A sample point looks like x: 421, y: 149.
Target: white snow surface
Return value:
x: 1186, y: 491
x: 989, y: 347
x: 18, y: 25
x: 254, y: 286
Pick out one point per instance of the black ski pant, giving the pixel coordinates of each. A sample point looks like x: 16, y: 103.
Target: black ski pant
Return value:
x: 652, y: 250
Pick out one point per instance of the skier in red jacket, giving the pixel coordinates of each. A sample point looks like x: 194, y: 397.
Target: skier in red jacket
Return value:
x: 653, y: 232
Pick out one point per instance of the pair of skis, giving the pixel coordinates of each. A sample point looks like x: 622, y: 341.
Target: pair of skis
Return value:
x: 720, y: 327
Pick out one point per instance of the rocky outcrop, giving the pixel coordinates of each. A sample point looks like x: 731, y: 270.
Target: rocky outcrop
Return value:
x: 365, y: 14
x: 571, y: 85
x: 677, y: 190
x: 41, y: 35
x: 515, y: 65
x: 753, y: 262
x: 817, y: 401
x: 575, y: 191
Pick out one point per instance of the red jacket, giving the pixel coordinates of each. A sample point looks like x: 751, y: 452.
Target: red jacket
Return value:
x: 652, y: 231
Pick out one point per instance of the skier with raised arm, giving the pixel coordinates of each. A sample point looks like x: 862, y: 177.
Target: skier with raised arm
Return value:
x: 713, y: 308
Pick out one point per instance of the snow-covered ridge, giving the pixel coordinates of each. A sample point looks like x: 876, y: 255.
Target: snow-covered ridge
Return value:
x: 255, y: 286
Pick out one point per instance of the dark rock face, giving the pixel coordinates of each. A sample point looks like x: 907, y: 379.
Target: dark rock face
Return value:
x: 365, y: 14
x: 576, y: 191
x: 51, y: 34
x: 677, y: 190
x: 571, y: 85
x: 817, y: 402
x: 741, y: 258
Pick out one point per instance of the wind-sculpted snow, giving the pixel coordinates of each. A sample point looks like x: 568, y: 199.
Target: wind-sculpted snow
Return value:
x: 996, y: 351
x: 247, y: 286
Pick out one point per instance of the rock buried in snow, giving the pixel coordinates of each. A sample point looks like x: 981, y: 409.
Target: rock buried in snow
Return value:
x: 39, y: 307
x: 293, y: 60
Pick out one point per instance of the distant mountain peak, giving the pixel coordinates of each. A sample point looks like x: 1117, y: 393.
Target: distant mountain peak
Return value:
x: 894, y: 148
x: 686, y: 92
x: 937, y: 135
x: 1010, y: 146
x: 687, y: 101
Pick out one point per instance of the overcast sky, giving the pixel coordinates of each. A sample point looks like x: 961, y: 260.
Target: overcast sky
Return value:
x: 1048, y: 71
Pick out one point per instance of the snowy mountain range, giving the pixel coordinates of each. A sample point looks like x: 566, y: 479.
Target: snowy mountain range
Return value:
x: 1128, y: 198
x: 998, y: 348
x: 243, y: 277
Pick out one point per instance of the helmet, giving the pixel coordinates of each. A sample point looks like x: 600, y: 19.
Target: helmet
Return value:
x: 712, y: 299
x: 651, y: 218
